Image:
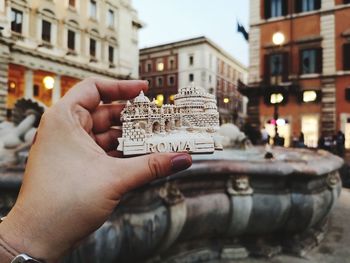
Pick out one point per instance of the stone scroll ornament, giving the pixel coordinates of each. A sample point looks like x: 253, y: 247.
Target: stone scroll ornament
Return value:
x: 190, y: 125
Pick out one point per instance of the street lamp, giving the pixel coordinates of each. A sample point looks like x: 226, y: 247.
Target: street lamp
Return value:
x: 278, y: 39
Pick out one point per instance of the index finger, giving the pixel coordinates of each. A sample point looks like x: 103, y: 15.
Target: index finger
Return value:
x: 90, y: 92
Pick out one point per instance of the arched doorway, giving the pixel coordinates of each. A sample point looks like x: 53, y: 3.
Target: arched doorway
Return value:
x: 156, y: 127
x: 167, y: 125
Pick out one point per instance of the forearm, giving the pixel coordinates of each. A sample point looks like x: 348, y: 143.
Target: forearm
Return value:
x: 16, y: 239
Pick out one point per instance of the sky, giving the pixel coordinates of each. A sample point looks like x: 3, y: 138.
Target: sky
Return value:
x: 172, y: 20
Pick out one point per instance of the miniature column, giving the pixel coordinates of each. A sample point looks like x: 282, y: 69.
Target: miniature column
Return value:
x: 56, y: 92
x: 28, y: 80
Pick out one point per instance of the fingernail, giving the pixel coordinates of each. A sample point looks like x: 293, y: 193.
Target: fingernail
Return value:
x: 180, y: 162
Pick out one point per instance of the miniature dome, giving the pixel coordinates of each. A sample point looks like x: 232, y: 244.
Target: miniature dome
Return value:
x: 141, y: 98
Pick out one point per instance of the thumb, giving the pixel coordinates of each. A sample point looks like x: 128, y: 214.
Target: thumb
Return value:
x: 144, y: 169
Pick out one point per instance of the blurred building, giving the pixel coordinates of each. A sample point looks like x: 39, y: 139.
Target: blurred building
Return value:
x: 48, y: 46
x: 308, y: 74
x: 174, y: 65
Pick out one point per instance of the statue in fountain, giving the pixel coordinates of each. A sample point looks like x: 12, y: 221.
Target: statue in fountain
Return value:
x: 17, y: 136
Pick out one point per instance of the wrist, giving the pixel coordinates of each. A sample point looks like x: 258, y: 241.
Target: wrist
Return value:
x: 17, y: 236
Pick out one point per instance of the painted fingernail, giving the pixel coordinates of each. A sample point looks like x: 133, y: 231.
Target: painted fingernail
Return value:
x: 180, y: 162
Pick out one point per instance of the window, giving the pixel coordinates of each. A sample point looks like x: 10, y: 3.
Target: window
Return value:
x: 36, y: 89
x: 92, y: 47
x: 191, y: 77
x: 111, y: 54
x: 190, y: 60
x: 46, y: 31
x: 307, y: 5
x: 71, y: 40
x: 276, y: 64
x: 346, y: 56
x: 93, y: 9
x: 275, y: 8
x: 171, y: 81
x: 110, y: 18
x: 160, y: 66
x: 311, y: 61
x: 159, y: 81
x: 149, y: 67
x: 347, y: 94
x: 16, y: 21
x: 171, y: 63
x: 72, y: 3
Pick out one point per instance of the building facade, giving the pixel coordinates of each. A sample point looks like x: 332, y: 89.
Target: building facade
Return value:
x: 172, y: 66
x: 48, y: 46
x: 308, y: 75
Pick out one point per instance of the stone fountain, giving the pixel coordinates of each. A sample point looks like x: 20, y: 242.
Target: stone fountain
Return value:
x: 232, y: 205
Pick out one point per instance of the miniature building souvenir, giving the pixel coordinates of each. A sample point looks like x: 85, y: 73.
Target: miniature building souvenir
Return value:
x: 190, y: 125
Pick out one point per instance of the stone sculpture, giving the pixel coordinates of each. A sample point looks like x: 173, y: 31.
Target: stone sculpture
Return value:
x: 16, y: 137
x: 190, y: 125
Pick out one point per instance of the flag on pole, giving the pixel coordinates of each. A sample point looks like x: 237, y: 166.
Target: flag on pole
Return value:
x: 241, y: 29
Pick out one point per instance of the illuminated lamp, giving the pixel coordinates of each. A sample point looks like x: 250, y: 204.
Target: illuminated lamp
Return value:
x: 159, y: 100
x: 49, y: 82
x: 12, y: 85
x: 309, y: 96
x: 276, y: 98
x: 226, y: 100
x: 160, y: 66
x: 278, y: 38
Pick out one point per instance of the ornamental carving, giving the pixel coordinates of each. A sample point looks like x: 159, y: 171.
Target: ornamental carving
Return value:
x: 239, y: 185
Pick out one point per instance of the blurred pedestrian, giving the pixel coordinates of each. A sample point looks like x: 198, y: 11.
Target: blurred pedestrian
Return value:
x: 265, y: 137
x: 340, y: 143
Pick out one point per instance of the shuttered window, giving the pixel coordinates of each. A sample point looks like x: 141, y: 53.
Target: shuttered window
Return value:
x: 275, y: 8
x: 277, y: 65
x: 311, y: 61
x: 307, y: 5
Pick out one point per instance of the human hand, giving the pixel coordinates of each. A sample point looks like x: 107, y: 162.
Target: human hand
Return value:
x: 73, y: 181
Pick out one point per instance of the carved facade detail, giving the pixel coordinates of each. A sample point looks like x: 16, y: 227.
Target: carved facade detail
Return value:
x: 239, y: 185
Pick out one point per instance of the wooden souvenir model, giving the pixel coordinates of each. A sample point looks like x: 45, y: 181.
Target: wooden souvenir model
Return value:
x: 190, y: 125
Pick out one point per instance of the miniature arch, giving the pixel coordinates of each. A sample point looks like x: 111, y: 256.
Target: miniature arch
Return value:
x: 156, y: 128
x: 168, y: 125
